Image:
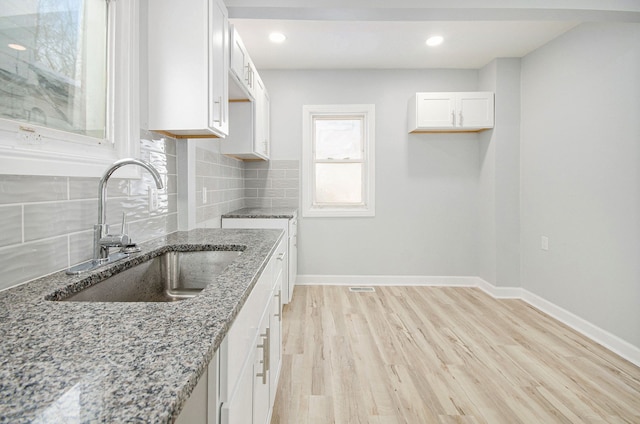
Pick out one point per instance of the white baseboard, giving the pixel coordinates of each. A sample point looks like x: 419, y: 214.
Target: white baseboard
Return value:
x: 584, y: 327
x: 612, y: 342
x: 499, y: 292
x: 384, y: 280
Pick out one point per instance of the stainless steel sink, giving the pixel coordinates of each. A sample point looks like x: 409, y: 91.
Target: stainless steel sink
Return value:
x: 166, y: 278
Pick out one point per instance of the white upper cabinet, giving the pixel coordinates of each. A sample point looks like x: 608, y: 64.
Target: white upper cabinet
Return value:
x: 450, y: 112
x: 242, y: 70
x: 249, y: 107
x: 188, y: 68
x: 261, y: 141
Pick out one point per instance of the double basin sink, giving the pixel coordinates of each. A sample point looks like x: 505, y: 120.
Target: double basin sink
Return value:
x: 169, y: 277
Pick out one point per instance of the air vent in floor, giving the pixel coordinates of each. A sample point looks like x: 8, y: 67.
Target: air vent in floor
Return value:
x: 362, y: 289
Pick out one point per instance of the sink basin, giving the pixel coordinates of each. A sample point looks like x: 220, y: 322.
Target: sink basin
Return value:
x: 165, y: 278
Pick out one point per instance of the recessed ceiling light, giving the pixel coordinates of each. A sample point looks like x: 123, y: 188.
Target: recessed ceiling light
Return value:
x: 18, y: 47
x: 277, y: 37
x: 436, y: 40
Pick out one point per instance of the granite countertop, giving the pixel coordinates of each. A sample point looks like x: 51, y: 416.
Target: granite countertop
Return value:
x: 120, y: 362
x: 272, y: 213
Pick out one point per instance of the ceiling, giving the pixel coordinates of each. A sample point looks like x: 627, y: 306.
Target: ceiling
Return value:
x: 380, y: 34
x: 397, y: 45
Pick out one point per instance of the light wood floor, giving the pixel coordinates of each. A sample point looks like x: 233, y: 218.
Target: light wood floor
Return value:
x: 442, y: 355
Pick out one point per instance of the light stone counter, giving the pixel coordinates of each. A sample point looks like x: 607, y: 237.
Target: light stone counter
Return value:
x: 120, y: 362
x: 268, y: 213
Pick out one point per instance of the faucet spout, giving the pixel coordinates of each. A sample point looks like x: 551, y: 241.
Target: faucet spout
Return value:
x: 100, y: 253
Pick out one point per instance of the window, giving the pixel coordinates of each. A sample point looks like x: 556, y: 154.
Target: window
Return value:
x: 338, y: 161
x: 68, y: 85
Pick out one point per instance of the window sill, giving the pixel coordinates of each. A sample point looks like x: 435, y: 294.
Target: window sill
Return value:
x: 338, y: 213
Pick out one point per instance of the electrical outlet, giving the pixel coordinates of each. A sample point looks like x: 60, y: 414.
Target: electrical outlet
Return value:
x: 544, y: 243
x: 153, y: 199
x: 204, y: 195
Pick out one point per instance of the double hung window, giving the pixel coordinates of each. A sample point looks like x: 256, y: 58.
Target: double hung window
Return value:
x: 338, y: 160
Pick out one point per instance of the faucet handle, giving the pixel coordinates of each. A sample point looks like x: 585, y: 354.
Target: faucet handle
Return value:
x: 114, y: 240
x: 124, y: 223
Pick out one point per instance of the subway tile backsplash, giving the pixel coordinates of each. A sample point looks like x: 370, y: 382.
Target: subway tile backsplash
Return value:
x: 25, y: 261
x: 272, y: 184
x: 222, y: 178
x: 24, y: 189
x: 46, y: 222
x: 10, y: 225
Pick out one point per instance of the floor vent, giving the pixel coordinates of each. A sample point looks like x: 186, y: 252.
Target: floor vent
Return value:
x: 362, y: 289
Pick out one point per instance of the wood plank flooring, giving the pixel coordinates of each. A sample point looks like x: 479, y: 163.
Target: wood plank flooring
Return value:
x: 442, y: 355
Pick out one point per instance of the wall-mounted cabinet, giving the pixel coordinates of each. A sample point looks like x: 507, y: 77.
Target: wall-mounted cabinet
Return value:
x: 189, y: 68
x: 248, y: 108
x: 450, y: 112
x: 241, y: 69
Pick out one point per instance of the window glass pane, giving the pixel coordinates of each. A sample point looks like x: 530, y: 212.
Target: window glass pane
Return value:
x: 338, y: 183
x: 338, y: 138
x: 53, y: 64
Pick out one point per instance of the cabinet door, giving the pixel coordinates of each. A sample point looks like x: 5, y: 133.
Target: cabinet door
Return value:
x: 266, y: 116
x: 241, y: 65
x: 292, y: 261
x: 260, y: 142
x: 275, y: 343
x: 237, y: 410
x: 252, y: 74
x: 194, y: 410
x: 239, y: 57
x: 435, y: 110
x: 203, y: 405
x: 261, y: 372
x: 188, y: 69
x: 219, y: 64
x: 475, y: 110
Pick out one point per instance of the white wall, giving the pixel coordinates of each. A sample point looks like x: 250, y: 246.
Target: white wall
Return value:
x: 487, y: 81
x: 563, y: 162
x: 581, y: 175
x: 499, y: 180
x: 426, y: 184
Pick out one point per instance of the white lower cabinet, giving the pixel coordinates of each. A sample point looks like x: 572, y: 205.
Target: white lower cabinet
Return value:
x: 240, y: 383
x: 275, y: 327
x: 290, y: 261
x: 250, y: 354
x: 203, y: 405
x: 262, y: 372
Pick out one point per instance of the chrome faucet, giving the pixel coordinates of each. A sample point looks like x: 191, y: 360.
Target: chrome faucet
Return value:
x: 102, y: 240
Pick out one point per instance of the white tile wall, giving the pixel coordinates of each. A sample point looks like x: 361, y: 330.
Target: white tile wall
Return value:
x: 222, y: 177
x: 272, y: 184
x: 46, y: 222
x: 10, y: 225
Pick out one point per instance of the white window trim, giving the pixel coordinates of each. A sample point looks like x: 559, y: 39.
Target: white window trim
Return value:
x: 59, y: 153
x: 308, y: 113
